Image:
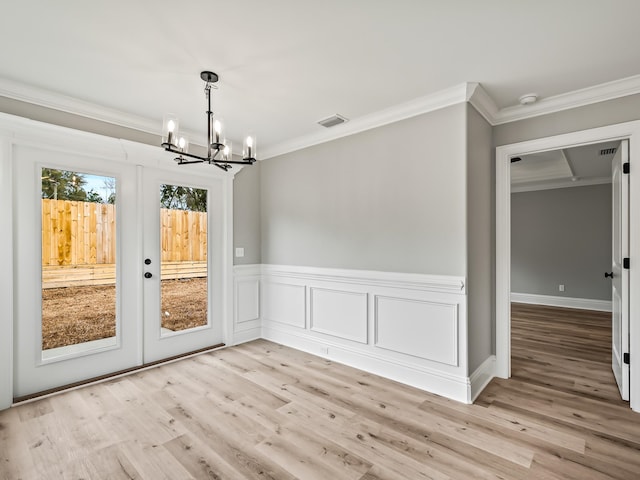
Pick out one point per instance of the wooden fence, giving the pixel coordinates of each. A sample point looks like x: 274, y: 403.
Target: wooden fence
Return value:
x: 83, y: 233
x: 56, y: 276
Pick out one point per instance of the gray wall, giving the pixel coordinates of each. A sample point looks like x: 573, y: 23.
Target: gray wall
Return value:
x: 388, y: 199
x: 620, y: 110
x: 480, y: 239
x: 246, y: 214
x: 562, y: 236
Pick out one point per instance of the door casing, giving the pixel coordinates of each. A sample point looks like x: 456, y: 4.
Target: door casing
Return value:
x: 16, y: 131
x: 628, y: 130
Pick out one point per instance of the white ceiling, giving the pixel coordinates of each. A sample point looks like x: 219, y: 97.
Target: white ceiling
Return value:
x: 285, y: 64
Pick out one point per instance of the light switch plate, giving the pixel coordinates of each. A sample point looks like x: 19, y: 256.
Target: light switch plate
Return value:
x: 239, y: 252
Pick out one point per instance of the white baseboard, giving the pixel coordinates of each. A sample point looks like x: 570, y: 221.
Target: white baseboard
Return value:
x: 481, y: 377
x: 433, y: 381
x: 566, y: 302
x: 246, y: 336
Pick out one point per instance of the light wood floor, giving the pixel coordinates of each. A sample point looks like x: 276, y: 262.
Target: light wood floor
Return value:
x: 263, y: 411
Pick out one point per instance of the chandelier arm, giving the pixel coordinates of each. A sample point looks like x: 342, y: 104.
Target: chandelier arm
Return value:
x: 237, y: 162
x: 169, y: 148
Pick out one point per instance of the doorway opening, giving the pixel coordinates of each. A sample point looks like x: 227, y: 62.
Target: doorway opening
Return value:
x: 504, y: 154
x: 561, y: 244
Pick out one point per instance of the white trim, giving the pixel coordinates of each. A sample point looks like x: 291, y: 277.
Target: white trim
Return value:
x: 481, y: 377
x: 441, y: 383
x: 566, y: 183
x: 630, y: 130
x: 468, y: 91
x: 564, y: 302
x: 412, y: 108
x: 248, y: 270
x: 246, y: 336
x: 567, y: 101
x: 7, y: 277
x: 57, y: 101
x: 63, y: 103
x: 412, y: 281
x: 484, y: 104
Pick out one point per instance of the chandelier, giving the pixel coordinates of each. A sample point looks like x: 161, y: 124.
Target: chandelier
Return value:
x: 219, y: 149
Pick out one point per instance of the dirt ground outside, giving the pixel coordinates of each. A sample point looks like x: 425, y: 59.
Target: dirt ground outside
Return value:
x: 75, y: 315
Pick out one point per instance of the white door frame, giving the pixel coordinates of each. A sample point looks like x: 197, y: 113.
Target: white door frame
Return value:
x: 629, y: 130
x: 16, y: 130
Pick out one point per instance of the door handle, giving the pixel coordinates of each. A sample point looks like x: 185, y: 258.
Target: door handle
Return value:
x: 610, y: 274
x: 147, y: 275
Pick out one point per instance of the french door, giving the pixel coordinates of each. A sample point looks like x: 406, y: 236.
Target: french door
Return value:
x: 116, y: 266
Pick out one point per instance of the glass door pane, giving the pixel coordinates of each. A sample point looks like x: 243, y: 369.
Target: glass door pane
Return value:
x: 183, y: 273
x: 78, y: 223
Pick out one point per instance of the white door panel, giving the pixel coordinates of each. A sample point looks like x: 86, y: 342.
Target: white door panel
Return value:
x: 38, y: 367
x: 620, y: 280
x: 201, y: 326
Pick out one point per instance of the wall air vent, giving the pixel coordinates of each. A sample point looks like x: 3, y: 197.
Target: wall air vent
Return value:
x: 607, y: 151
x: 332, y: 121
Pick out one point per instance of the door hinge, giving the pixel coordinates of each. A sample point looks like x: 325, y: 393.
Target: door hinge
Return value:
x: 625, y: 263
x: 625, y: 167
x: 625, y: 358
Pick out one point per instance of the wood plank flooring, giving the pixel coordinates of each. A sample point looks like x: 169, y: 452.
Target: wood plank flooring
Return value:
x: 263, y: 411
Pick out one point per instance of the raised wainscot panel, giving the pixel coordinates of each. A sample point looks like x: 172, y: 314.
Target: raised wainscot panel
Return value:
x: 423, y: 329
x: 285, y: 303
x: 339, y: 313
x: 247, y: 303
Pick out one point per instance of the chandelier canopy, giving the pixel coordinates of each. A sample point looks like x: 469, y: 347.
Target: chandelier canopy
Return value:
x: 219, y: 149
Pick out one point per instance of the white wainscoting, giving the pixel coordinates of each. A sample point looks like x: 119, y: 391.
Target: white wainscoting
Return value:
x: 423, y: 329
x: 408, y: 327
x: 285, y: 303
x: 247, y: 324
x: 338, y: 313
x: 566, y: 302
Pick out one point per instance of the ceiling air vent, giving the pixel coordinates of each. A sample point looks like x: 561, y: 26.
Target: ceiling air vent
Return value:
x: 607, y: 151
x: 332, y: 121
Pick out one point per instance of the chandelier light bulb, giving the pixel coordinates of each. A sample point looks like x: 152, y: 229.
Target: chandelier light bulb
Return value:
x: 182, y: 142
x: 249, y: 148
x: 170, y: 129
x: 171, y: 126
x: 217, y: 129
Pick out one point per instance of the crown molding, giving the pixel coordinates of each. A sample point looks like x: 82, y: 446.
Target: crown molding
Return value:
x: 483, y: 103
x: 63, y: 103
x: 57, y: 101
x: 417, y: 106
x: 566, y: 101
x: 466, y: 92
